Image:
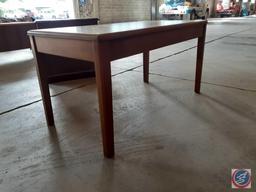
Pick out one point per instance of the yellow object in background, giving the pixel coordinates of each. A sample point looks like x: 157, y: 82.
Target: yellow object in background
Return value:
x: 187, y: 3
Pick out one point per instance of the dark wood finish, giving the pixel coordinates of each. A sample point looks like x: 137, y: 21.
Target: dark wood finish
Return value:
x: 13, y: 36
x: 199, y: 61
x: 71, y: 76
x: 63, y: 68
x: 145, y: 66
x: 43, y: 82
x: 75, y: 49
x: 120, y: 30
x: 43, y: 24
x: 104, y: 84
x: 109, y: 42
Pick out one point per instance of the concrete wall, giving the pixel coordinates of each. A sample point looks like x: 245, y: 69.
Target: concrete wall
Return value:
x: 110, y: 11
x: 212, y: 6
x: 123, y: 10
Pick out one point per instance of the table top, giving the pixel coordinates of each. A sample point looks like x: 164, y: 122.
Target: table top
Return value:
x: 112, y: 31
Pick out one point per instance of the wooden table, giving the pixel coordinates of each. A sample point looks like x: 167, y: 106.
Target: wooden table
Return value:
x: 103, y: 43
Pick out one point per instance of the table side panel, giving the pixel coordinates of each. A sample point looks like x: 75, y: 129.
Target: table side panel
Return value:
x: 125, y: 47
x: 71, y: 48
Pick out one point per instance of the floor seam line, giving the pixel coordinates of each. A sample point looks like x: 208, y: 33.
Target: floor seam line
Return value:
x: 203, y: 82
x: 132, y: 69
x: 182, y: 51
x: 55, y: 95
x: 207, y: 42
x: 19, y: 107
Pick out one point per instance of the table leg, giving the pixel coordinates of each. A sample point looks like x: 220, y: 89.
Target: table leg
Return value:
x: 104, y: 85
x: 146, y: 66
x: 199, y: 61
x: 43, y: 82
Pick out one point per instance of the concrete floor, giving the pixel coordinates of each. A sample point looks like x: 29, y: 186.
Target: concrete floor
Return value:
x: 167, y: 137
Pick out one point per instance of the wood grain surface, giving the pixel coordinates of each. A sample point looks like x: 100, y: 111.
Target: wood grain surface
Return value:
x: 102, y: 44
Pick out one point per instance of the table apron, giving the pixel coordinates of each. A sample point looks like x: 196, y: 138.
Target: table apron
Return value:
x: 71, y: 48
x: 120, y: 47
x: 137, y: 44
